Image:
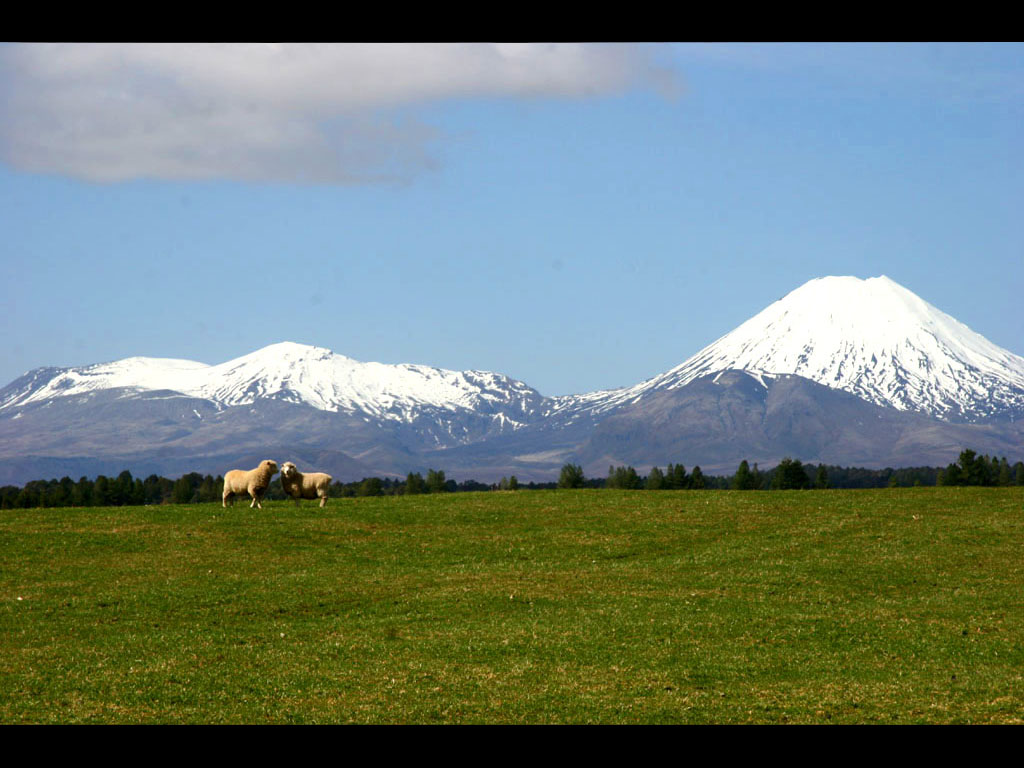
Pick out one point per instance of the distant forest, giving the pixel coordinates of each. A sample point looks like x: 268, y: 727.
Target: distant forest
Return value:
x: 970, y: 469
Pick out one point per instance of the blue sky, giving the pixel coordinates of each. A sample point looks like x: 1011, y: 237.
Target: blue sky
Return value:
x: 577, y: 217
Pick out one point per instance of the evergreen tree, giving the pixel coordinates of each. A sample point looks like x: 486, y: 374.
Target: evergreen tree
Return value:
x: 1018, y: 473
x: 370, y: 486
x: 121, y: 489
x: 571, y: 476
x: 622, y: 477
x: 182, y: 491
x: 414, y: 483
x: 743, y: 480
x: 655, y: 480
x: 28, y: 497
x: 757, y: 478
x: 139, y: 493
x: 1004, y: 478
x: 973, y: 468
x: 949, y: 476
x: 82, y: 497
x: 9, y: 496
x: 513, y: 483
x: 208, y: 490
x: 697, y: 479
x: 151, y: 490
x: 676, y: 477
x: 790, y: 475
x: 67, y: 486
x: 55, y: 495
x: 435, y: 481
x: 821, y: 478
x: 988, y: 470
x: 101, y: 492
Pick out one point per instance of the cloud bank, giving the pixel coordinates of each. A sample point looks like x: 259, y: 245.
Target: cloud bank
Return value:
x: 329, y: 113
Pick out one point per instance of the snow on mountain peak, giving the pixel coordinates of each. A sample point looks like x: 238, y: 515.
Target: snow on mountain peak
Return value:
x: 329, y: 381
x: 873, y: 338
x: 295, y: 373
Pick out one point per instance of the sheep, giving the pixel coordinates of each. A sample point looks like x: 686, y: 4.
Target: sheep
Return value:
x: 251, y: 481
x: 304, y: 485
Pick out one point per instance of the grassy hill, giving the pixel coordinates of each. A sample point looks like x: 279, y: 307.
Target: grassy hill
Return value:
x: 890, y: 606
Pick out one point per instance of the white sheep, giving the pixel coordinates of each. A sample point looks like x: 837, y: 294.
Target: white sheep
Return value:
x: 304, y: 485
x: 251, y: 481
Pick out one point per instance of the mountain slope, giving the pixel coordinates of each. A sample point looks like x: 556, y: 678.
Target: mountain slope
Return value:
x: 306, y: 375
x: 840, y: 370
x: 872, y: 338
x: 720, y: 419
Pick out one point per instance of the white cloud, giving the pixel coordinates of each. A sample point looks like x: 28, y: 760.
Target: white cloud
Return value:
x: 286, y: 112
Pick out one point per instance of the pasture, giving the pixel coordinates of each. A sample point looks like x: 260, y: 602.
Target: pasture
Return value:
x: 887, y: 606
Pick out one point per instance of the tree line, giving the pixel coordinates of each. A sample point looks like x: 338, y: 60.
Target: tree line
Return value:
x: 792, y: 474
x: 125, y: 490
x: 193, y: 488
x: 972, y: 469
x: 969, y: 469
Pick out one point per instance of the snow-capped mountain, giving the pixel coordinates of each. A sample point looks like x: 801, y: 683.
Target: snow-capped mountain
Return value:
x: 293, y: 373
x: 872, y: 338
x: 840, y: 370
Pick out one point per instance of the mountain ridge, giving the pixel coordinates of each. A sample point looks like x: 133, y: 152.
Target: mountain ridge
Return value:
x: 881, y: 342
x: 871, y: 340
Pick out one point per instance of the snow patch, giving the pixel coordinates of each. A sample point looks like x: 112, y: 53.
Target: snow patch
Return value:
x: 299, y: 373
x: 872, y: 338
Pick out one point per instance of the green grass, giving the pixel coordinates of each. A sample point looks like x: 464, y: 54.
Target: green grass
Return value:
x: 889, y: 606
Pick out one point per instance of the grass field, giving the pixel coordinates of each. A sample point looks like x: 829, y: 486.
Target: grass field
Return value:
x: 888, y: 606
